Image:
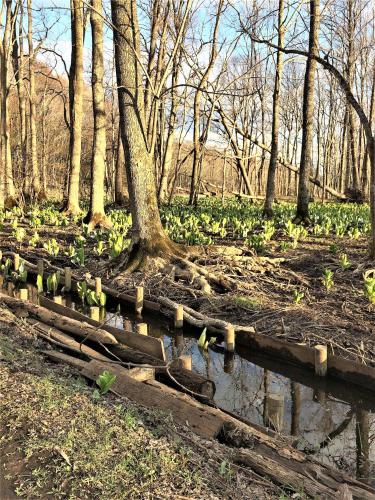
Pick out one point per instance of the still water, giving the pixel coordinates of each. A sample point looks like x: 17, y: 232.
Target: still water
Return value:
x: 331, y: 420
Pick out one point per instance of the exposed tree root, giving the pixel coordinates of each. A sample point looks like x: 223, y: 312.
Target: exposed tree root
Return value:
x: 302, y: 219
x: 94, y: 220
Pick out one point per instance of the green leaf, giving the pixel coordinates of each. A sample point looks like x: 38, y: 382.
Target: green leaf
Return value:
x: 202, y: 339
x: 39, y: 283
x: 105, y: 381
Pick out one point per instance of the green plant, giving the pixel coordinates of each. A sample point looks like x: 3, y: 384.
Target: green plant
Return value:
x: 96, y: 299
x: 203, y: 343
x: 53, y: 281
x: 39, y: 283
x: 19, y: 233
x: 334, y: 248
x: 6, y: 267
x: 327, y: 279
x: 284, y: 246
x: 105, y: 382
x: 344, y: 261
x: 297, y: 296
x: 34, y: 240
x: 354, y: 233
x: 79, y: 257
x: 100, y: 247
x: 52, y: 247
x: 20, y: 276
x: 257, y: 242
x: 369, y: 285
x: 82, y: 290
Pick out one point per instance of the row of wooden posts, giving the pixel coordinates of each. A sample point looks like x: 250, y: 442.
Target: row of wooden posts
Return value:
x: 142, y: 329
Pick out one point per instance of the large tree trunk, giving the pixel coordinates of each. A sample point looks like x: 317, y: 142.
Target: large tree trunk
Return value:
x: 148, y: 238
x: 9, y: 190
x: 121, y: 193
x: 270, y: 189
x: 96, y: 215
x: 302, y: 214
x: 35, y: 181
x: 19, y: 73
x: 76, y: 104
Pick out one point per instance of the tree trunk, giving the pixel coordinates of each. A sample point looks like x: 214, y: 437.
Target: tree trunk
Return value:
x: 35, y: 181
x: 96, y: 215
x: 198, y: 146
x: 302, y: 214
x: 76, y: 105
x: 148, y: 238
x: 121, y: 194
x: 9, y: 190
x: 270, y: 189
x: 19, y: 72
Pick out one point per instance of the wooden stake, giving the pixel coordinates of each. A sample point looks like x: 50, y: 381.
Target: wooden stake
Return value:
x: 185, y: 361
x: 321, y: 360
x: 139, y: 293
x: 16, y: 261
x: 68, y: 279
x: 1, y: 255
x: 24, y: 294
x: 94, y: 313
x: 128, y: 327
x: 229, y: 338
x: 228, y: 362
x: 275, y: 411
x: 40, y: 267
x: 142, y: 328
x: 98, y: 286
x: 57, y: 299
x: 179, y: 317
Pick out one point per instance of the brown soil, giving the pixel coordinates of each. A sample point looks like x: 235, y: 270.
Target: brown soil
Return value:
x: 261, y: 291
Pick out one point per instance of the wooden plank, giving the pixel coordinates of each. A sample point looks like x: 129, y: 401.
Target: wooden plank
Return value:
x: 294, y: 353
x: 203, y: 423
x: 149, y: 345
x: 60, y: 357
x: 66, y: 340
x: 351, y: 371
x: 81, y: 329
x: 142, y: 374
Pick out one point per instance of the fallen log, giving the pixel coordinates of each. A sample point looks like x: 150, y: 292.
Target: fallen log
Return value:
x: 150, y: 345
x: 183, y: 379
x: 206, y: 425
x: 139, y: 374
x: 139, y: 349
x: 63, y: 340
x: 83, y: 330
x: 268, y: 456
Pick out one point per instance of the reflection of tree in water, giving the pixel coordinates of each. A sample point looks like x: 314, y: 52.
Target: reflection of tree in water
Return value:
x: 328, y: 428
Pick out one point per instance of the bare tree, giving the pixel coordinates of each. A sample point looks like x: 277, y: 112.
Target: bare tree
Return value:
x: 96, y: 215
x: 75, y: 105
x: 270, y: 189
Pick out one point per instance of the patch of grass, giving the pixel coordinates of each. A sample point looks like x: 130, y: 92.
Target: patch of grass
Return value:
x: 248, y: 303
x: 78, y: 448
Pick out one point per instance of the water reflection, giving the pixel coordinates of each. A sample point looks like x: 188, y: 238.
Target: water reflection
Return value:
x: 333, y: 421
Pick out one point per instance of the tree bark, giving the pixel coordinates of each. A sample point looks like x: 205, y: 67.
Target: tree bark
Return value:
x: 270, y: 189
x: 76, y: 105
x: 121, y: 193
x: 35, y: 181
x: 96, y: 215
x: 148, y: 238
x: 302, y: 214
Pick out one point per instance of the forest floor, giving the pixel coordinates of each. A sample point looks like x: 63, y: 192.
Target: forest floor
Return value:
x: 262, y: 286
x: 58, y: 441
x: 118, y: 450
